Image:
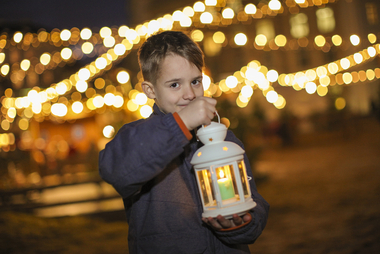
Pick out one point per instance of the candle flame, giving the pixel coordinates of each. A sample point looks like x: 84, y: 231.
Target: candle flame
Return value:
x: 221, y: 173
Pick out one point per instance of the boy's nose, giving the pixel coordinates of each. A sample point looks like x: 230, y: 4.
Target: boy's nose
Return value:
x: 189, y: 93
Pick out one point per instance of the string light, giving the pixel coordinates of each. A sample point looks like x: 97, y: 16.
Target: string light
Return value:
x: 253, y: 78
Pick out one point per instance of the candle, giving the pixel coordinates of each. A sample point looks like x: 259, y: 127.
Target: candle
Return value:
x: 226, y: 188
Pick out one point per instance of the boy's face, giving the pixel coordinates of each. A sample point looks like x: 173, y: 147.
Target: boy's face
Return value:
x: 178, y: 83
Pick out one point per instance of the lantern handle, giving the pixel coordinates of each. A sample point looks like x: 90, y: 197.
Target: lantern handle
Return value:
x: 216, y: 113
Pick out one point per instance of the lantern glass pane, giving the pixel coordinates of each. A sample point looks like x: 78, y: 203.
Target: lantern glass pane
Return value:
x: 207, y: 192
x: 244, y: 181
x: 226, y: 182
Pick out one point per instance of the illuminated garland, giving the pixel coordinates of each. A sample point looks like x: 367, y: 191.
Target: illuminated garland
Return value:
x: 41, y: 103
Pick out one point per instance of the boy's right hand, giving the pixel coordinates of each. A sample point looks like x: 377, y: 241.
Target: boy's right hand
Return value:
x: 198, y: 112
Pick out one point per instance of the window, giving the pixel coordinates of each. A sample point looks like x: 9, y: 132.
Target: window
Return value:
x: 266, y: 28
x: 371, y: 11
x: 325, y: 20
x: 299, y: 26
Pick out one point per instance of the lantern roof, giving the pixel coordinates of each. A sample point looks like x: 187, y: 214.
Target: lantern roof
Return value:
x: 215, y: 150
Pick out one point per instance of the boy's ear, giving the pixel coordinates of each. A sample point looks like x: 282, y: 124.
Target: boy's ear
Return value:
x: 148, y: 89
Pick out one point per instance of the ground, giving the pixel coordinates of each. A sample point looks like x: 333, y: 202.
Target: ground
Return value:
x: 324, y: 193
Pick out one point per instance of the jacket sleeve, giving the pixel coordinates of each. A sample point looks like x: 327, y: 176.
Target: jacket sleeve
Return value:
x: 140, y: 151
x: 250, y: 232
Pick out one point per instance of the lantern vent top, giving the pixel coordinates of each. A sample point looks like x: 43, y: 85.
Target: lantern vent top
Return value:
x: 213, y: 133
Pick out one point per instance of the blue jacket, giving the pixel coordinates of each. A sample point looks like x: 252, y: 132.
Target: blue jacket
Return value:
x: 148, y: 163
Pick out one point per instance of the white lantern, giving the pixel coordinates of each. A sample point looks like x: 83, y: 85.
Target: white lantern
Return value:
x: 221, y: 174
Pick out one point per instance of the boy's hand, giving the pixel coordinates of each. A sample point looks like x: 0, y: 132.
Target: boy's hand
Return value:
x: 220, y: 222
x: 198, y: 112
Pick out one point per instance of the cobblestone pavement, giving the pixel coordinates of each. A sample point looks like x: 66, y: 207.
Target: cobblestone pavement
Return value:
x: 324, y: 197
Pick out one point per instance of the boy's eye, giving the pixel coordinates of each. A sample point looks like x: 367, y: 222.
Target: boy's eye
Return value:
x: 174, y: 85
x: 196, y: 82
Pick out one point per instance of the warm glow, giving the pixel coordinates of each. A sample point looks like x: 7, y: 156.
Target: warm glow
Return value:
x: 320, y: 41
x: 109, y: 99
x: 109, y: 42
x: 188, y: 11
x: 272, y: 75
x: 280, y: 40
x: 197, y: 35
x: 274, y: 5
x: 86, y: 33
x: 337, y: 40
x: 333, y: 68
x: 272, y: 96
x: 340, y: 103
x: 372, y: 38
x: 59, y: 109
x: 12, y: 112
x: 219, y: 37
x: 98, y: 101
x: 206, y: 82
x: 87, y: 47
x: 25, y: 64
x: 66, y: 53
x: 185, y: 21
x: 146, y: 111
x: 84, y: 74
x: 140, y: 99
x: 231, y: 81
x: 105, y: 32
x: 358, y: 58
x: 322, y: 90
x: 355, y: 40
x: 250, y: 9
x: 118, y: 102
x: 211, y: 2
x: 23, y: 124
x: 177, y: 15
x: 101, y: 63
x: 77, y: 107
x: 120, y: 49
x: 310, y: 87
x: 206, y: 18
x: 17, y: 37
x: 240, y: 39
x: 247, y: 91
x: 371, y: 51
x: 65, y: 35
x: 122, y: 77
x: 199, y: 7
x: 345, y: 63
x: 45, y: 58
x: 4, y: 69
x: 261, y: 40
x: 228, y: 13
x: 81, y: 86
x: 61, y: 88
x: 2, y: 57
x: 108, y: 131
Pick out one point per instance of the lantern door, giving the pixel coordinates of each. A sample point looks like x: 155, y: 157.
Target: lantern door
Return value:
x: 226, y: 184
x: 206, y: 189
x: 244, y: 179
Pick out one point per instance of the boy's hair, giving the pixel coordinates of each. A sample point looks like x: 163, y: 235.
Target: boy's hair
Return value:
x: 158, y: 46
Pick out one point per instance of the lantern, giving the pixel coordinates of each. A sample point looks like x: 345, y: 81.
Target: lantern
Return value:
x: 221, y: 174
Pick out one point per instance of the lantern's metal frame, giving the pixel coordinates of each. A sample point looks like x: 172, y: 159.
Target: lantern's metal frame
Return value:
x: 220, y: 154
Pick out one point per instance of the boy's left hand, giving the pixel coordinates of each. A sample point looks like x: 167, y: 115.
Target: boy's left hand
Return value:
x: 220, y: 222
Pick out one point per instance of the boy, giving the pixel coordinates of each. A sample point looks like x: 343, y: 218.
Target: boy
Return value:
x: 148, y: 161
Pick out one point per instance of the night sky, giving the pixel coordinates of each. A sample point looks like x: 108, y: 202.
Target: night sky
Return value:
x: 51, y: 14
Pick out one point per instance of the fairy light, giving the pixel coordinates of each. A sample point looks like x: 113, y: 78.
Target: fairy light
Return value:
x: 250, y: 9
x: 256, y: 77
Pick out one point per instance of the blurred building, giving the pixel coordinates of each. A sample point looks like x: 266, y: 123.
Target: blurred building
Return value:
x: 64, y: 93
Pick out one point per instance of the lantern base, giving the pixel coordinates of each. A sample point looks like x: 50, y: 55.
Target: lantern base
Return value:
x: 227, y: 212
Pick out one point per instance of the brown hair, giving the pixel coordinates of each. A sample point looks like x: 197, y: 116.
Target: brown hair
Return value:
x: 158, y: 46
